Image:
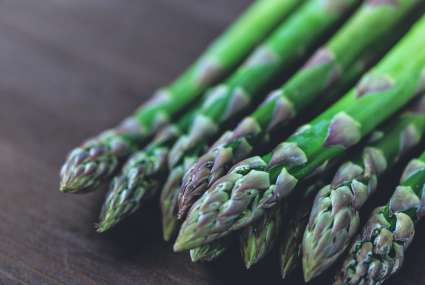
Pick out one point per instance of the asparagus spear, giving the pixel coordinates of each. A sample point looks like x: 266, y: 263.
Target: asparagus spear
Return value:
x: 303, y: 29
x: 92, y: 163
x: 327, y: 66
x: 140, y: 178
x: 378, y: 252
x: 334, y: 218
x: 228, y: 99
x: 259, y: 183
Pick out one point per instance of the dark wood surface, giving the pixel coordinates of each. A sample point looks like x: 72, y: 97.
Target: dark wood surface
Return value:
x: 68, y: 70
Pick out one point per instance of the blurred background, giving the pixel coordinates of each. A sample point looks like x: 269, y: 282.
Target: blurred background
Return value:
x: 70, y: 69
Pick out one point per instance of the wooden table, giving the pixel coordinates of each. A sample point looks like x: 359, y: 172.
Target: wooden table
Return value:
x: 68, y: 70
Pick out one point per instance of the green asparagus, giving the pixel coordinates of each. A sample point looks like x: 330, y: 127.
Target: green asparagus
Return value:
x: 328, y: 65
x: 257, y: 184
x: 334, y: 217
x: 275, y: 56
x: 378, y: 252
x: 139, y: 179
x: 230, y: 98
x: 92, y: 163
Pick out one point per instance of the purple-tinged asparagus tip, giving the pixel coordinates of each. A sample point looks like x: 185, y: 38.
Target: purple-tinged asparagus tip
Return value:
x: 85, y: 169
x: 194, y: 183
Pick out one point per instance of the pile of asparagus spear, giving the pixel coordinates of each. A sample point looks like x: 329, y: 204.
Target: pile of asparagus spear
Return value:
x: 276, y: 137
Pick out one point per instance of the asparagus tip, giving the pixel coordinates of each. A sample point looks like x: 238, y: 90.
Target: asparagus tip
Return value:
x: 311, y: 269
x: 85, y: 169
x: 184, y: 242
x: 102, y: 227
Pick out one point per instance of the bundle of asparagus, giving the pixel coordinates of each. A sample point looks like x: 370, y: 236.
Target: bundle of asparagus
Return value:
x: 222, y: 103
x: 228, y: 190
x: 96, y: 159
x: 259, y: 183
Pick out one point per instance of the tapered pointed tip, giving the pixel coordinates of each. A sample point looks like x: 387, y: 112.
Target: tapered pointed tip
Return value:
x: 249, y: 258
x: 104, y: 225
x: 178, y: 246
x: 75, y: 186
x: 308, y: 277
x: 65, y: 189
x: 184, y: 242
x: 311, y: 269
x: 101, y: 228
x: 168, y: 230
x: 194, y: 257
x: 248, y: 264
x: 284, y: 274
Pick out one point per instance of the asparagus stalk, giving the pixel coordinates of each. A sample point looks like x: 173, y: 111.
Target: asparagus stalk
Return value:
x: 378, y: 252
x: 259, y: 183
x: 303, y: 29
x: 334, y: 218
x: 92, y: 163
x: 328, y: 65
x: 233, y: 96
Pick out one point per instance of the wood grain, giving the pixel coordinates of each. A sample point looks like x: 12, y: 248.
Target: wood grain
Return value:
x: 69, y: 70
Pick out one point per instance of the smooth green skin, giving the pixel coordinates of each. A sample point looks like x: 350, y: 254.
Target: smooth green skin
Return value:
x: 303, y: 29
x: 228, y: 51
x: 368, y: 111
x: 390, y: 146
x: 365, y: 28
x: 369, y: 28
x: 92, y: 163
